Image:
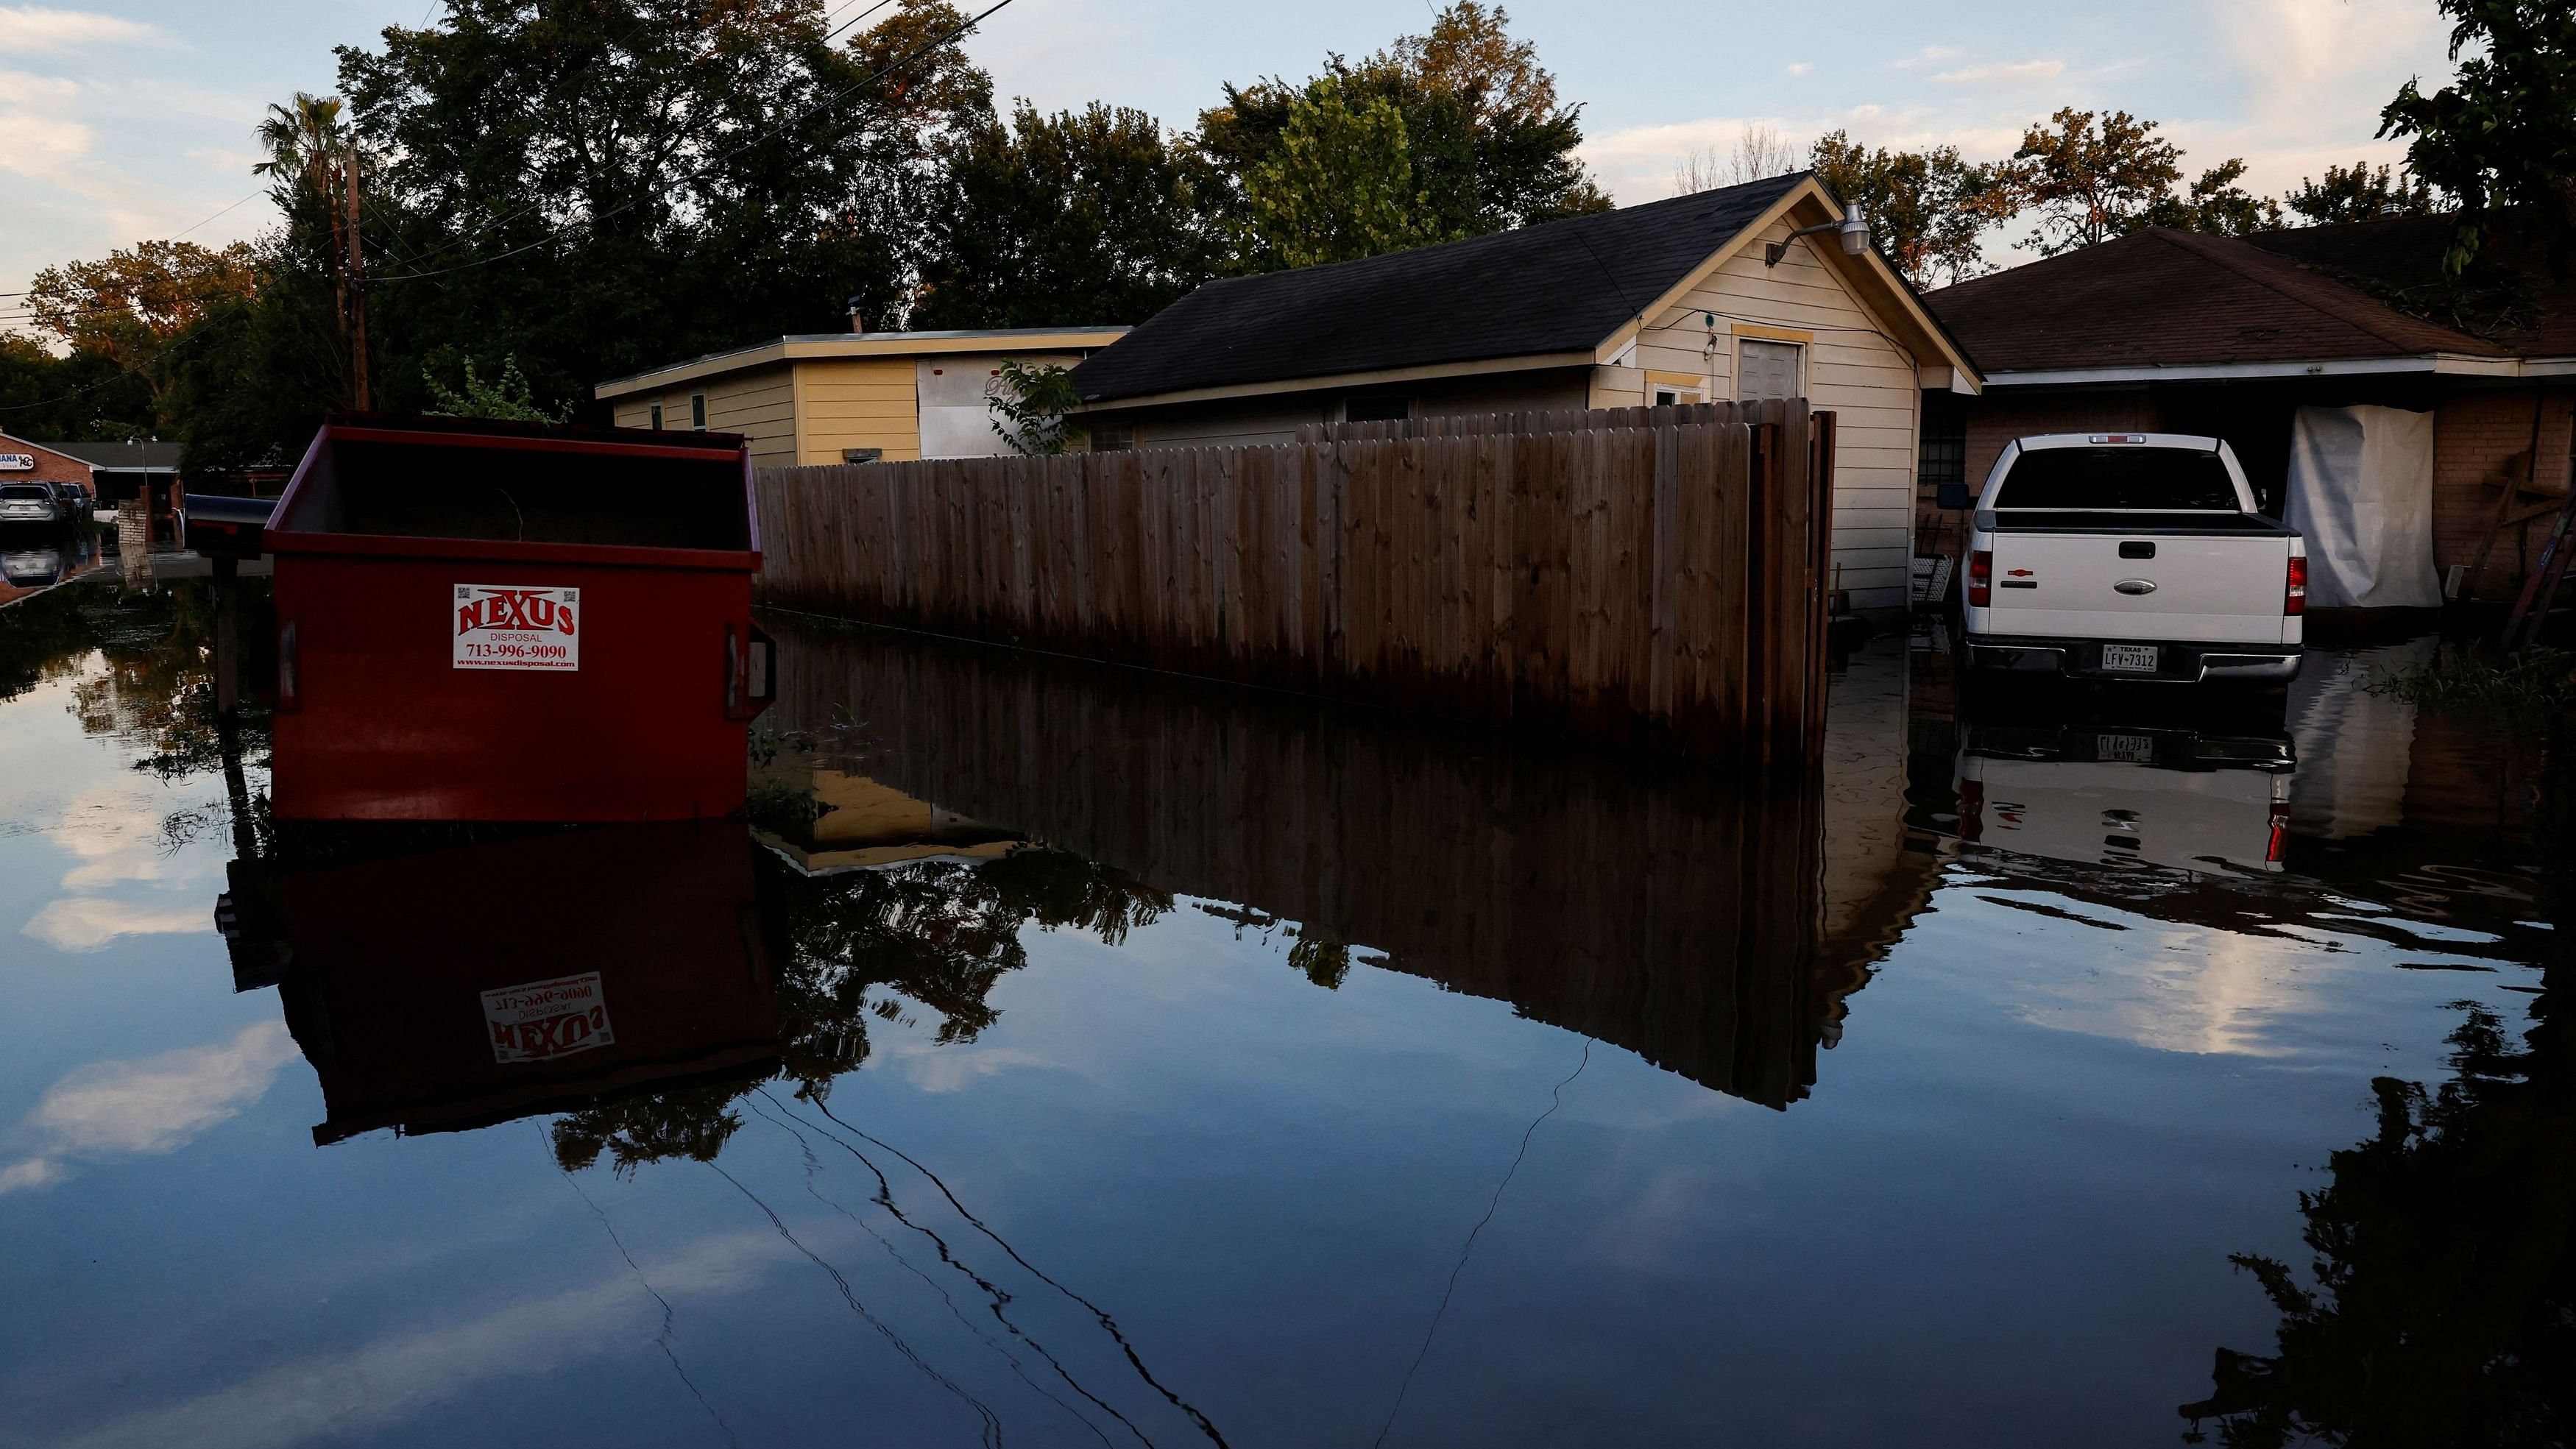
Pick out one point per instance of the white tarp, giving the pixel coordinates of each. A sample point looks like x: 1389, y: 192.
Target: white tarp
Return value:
x: 2361, y: 492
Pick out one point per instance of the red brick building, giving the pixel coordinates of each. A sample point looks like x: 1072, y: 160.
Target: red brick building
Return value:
x: 115, y: 474
x: 2166, y: 331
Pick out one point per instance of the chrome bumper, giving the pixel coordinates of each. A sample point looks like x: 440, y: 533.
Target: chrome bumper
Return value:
x: 2177, y: 662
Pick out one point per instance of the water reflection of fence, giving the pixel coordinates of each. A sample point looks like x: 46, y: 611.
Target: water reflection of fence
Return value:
x: 1633, y: 574
x: 1669, y: 912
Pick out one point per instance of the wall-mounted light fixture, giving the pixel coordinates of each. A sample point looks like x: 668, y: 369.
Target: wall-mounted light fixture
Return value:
x: 1854, y: 228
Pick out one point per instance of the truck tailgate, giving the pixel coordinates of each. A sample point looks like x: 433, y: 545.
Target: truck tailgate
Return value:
x: 2202, y: 587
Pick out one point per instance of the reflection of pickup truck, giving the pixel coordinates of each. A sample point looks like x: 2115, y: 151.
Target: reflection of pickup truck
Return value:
x: 2131, y: 556
x: 2128, y: 794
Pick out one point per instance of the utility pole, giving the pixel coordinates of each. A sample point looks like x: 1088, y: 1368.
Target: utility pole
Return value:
x: 355, y: 269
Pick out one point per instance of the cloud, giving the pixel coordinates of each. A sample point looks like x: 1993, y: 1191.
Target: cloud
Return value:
x: 149, y: 1105
x: 2011, y: 73
x: 952, y: 1068
x: 35, y: 29
x: 38, y: 138
x: 115, y: 839
x: 87, y: 923
x: 376, y: 1385
x: 1800, y: 68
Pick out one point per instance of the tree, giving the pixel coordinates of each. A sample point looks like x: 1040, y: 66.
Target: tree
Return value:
x: 504, y: 395
x: 2091, y: 178
x: 1068, y: 219
x: 1029, y: 406
x: 78, y: 398
x: 2503, y: 133
x: 131, y: 307
x: 1339, y: 186
x: 2216, y: 203
x: 1486, y: 144
x: 596, y: 188
x: 590, y: 189
x: 2357, y: 193
x: 1759, y: 153
x: 1929, y: 211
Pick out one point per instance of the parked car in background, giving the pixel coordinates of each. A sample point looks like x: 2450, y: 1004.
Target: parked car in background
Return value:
x: 2137, y: 556
x: 30, y: 505
x: 77, y: 505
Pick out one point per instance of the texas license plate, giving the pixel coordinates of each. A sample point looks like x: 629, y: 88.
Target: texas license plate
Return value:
x: 2125, y: 749
x: 2138, y: 657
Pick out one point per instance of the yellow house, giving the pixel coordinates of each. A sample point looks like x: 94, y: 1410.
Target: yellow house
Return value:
x: 849, y: 397
x: 1755, y: 291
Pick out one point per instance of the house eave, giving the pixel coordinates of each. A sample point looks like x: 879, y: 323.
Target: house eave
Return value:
x: 1528, y: 362
x: 833, y: 346
x: 2445, y: 364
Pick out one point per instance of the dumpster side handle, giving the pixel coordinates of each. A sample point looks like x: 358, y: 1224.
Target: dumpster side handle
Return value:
x: 290, y: 680
x: 750, y: 671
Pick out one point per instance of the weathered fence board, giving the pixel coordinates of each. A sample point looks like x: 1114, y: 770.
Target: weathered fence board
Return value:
x: 1645, y: 575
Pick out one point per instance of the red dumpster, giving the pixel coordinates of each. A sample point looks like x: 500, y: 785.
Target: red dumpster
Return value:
x: 497, y: 621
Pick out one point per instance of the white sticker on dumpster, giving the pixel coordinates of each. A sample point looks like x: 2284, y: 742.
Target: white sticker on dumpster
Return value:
x: 512, y: 626
x: 547, y: 1019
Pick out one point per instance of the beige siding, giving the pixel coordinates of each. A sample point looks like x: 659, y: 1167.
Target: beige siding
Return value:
x: 757, y: 404
x: 859, y: 402
x: 1864, y: 378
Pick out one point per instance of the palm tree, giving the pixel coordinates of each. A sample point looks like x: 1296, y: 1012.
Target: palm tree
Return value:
x: 306, y: 147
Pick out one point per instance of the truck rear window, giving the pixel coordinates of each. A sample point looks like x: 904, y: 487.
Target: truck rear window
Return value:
x: 2131, y: 479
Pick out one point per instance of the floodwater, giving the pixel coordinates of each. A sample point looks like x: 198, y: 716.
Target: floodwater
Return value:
x: 1068, y: 1055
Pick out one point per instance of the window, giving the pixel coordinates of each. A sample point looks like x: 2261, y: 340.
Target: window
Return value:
x: 1112, y: 437
x: 657, y: 417
x: 2162, y: 480
x: 1942, y: 456
x: 1377, y: 408
x: 698, y: 411
x: 1769, y: 369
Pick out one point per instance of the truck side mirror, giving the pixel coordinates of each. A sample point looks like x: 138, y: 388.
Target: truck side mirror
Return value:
x: 1951, y: 495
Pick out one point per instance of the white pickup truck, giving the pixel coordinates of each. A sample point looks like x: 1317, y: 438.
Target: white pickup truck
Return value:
x: 2131, y: 556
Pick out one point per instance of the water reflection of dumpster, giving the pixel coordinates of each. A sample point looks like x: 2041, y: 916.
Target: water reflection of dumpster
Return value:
x: 450, y: 988
x: 486, y: 621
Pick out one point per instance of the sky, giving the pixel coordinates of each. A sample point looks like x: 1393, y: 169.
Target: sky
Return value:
x: 125, y: 120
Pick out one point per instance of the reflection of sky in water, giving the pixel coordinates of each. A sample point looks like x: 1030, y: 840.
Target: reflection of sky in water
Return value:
x: 2003, y: 1215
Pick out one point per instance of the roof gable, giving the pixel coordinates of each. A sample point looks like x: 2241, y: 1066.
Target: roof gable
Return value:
x: 1561, y: 287
x: 2162, y: 298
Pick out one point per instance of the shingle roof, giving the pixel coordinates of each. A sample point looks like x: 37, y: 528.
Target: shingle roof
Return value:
x: 2401, y: 258
x: 147, y: 457
x: 2160, y: 298
x: 1560, y: 287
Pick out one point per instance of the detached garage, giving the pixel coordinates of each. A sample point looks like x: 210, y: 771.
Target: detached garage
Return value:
x: 2416, y: 428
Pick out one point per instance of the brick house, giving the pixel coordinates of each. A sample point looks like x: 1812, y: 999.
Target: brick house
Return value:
x: 115, y: 474
x: 2231, y: 336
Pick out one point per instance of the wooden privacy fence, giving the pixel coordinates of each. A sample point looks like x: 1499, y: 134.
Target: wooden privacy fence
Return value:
x: 1638, y: 575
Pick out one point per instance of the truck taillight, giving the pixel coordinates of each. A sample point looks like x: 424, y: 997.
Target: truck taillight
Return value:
x: 2294, y: 597
x: 2278, y: 846
x: 1981, y: 578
